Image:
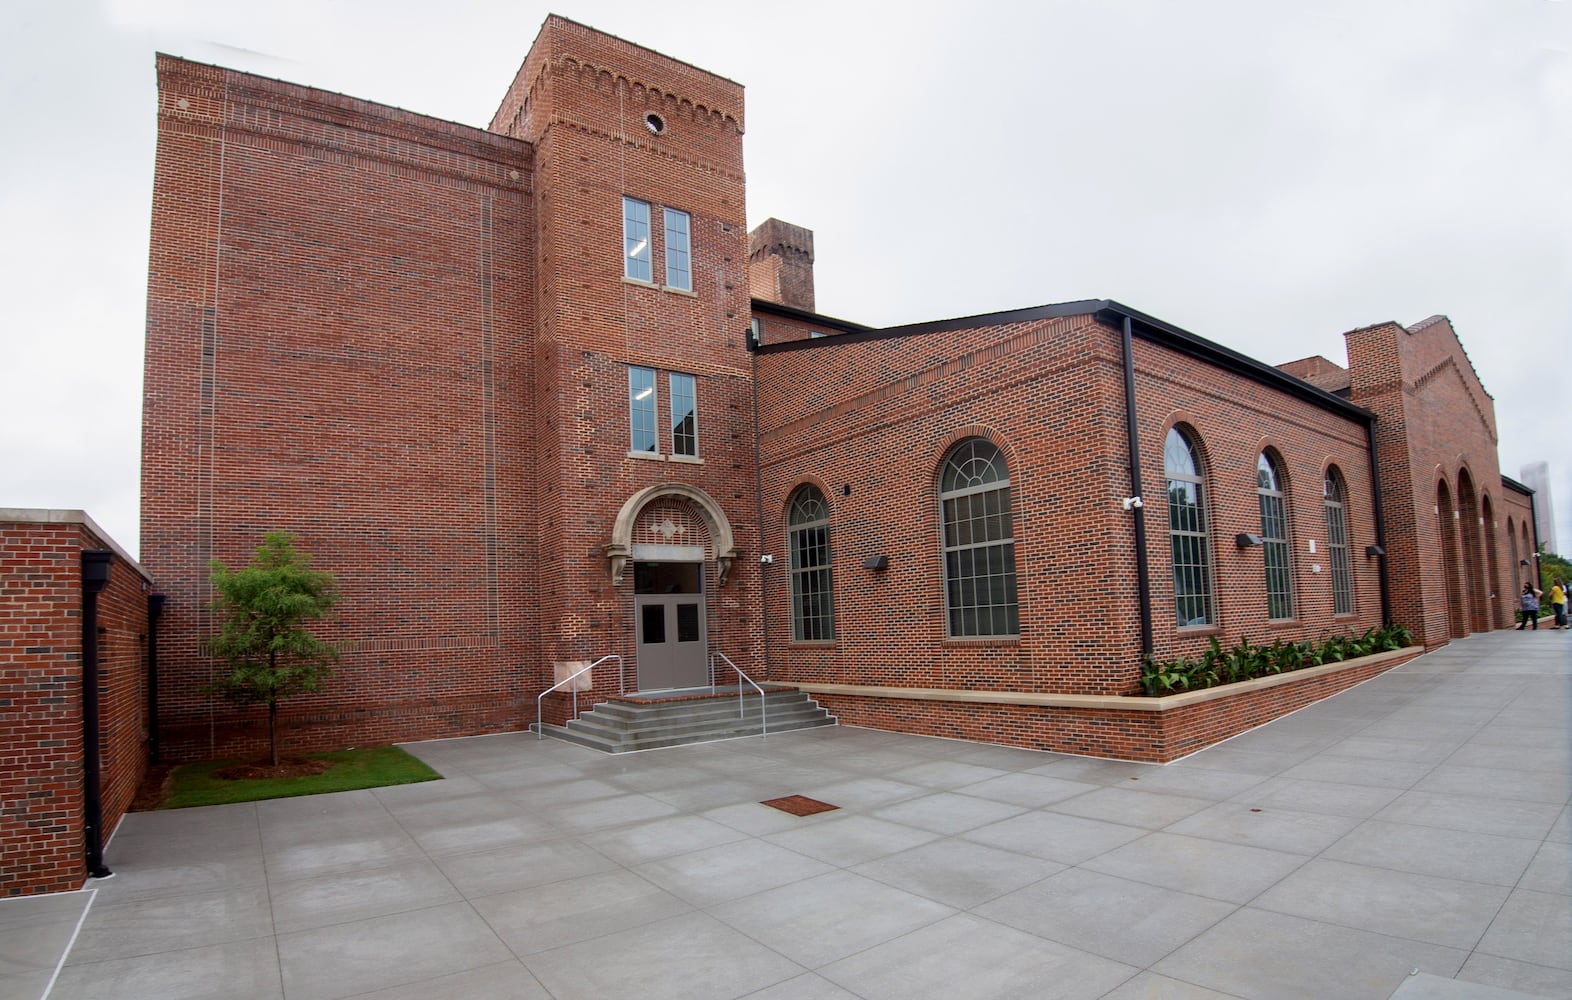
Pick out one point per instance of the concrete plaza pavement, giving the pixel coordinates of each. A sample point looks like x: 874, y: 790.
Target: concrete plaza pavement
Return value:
x: 1409, y: 837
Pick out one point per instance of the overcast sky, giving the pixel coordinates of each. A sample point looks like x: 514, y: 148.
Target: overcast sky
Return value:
x: 1265, y: 174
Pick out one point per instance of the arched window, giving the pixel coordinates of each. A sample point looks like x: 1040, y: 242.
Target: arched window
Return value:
x: 1337, y: 542
x: 808, y: 535
x: 1187, y: 532
x: 1275, y: 550
x: 979, y: 542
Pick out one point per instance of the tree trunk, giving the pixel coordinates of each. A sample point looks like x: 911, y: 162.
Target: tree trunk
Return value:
x: 272, y: 709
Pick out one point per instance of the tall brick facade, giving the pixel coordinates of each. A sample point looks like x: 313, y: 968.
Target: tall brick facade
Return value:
x: 502, y: 382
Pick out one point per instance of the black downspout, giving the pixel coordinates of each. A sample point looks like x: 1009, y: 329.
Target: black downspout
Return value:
x: 155, y: 607
x: 95, y: 576
x: 1380, y: 524
x: 1143, y: 583
x: 758, y: 500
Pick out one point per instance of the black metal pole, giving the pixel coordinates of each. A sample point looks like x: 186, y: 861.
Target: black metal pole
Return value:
x: 95, y: 577
x: 1380, y: 525
x: 155, y: 607
x: 1143, y: 582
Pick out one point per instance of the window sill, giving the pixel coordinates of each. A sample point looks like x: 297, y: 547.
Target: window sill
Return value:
x: 812, y: 644
x: 641, y: 284
x: 690, y: 293
x: 968, y: 642
x: 1194, y: 630
x: 648, y: 456
x: 685, y: 459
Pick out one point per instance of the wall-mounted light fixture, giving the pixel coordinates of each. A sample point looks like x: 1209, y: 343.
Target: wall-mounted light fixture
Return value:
x: 1374, y: 550
x: 876, y: 562
x: 1130, y: 503
x: 1246, y: 540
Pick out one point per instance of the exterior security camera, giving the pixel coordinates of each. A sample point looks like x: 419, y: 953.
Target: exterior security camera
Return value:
x: 766, y: 559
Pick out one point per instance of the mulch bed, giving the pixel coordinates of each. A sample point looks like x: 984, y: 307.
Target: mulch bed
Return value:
x: 155, y: 786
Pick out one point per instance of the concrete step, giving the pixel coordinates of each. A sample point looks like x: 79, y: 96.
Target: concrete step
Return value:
x: 681, y: 725
x: 623, y: 726
x: 596, y: 741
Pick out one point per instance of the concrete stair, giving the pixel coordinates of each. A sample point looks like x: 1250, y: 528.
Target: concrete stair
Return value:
x: 632, y: 723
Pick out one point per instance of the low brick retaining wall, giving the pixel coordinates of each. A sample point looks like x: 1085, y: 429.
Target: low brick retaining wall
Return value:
x: 1157, y: 730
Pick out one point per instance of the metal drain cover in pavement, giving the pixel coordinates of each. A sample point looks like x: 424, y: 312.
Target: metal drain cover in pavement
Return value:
x: 798, y: 805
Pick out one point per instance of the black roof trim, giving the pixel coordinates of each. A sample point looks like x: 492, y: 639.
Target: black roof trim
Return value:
x: 862, y: 334
x: 1170, y: 336
x: 791, y: 312
x: 1512, y: 484
x: 1105, y: 310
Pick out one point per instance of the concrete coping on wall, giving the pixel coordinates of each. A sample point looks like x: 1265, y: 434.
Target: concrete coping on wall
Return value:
x: 1106, y: 702
x: 46, y: 515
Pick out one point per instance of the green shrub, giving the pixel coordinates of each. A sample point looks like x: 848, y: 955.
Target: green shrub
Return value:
x: 1245, y: 661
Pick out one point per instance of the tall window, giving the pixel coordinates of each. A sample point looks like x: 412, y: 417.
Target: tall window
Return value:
x: 1275, y: 550
x: 679, y: 271
x: 808, y: 529
x: 636, y: 239
x: 979, y: 542
x: 1187, y: 532
x: 1337, y: 543
x: 641, y: 408
x: 684, y: 416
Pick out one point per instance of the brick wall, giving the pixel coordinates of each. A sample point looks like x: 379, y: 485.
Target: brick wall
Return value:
x: 339, y: 314
x: 1144, y: 734
x: 1436, y: 439
x: 41, y: 739
x: 867, y: 419
x: 408, y: 342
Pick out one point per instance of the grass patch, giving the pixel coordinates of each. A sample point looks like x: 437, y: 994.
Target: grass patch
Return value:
x: 370, y: 767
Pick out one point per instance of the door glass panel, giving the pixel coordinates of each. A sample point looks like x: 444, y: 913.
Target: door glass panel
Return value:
x: 687, y: 623
x: 652, y: 619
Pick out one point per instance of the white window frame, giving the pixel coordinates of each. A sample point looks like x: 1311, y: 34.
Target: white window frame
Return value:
x: 679, y: 250
x: 637, y: 240
x: 684, y: 388
x: 643, y: 401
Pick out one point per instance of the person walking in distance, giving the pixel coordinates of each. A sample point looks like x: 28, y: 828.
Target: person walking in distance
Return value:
x: 1558, y: 602
x: 1529, y: 602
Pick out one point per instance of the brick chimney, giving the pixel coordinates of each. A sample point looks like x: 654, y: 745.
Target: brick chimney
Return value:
x: 780, y: 264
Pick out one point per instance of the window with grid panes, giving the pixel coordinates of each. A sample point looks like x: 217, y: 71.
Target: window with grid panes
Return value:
x: 636, y: 253
x: 1275, y: 550
x: 979, y: 542
x: 1337, y: 543
x: 684, y: 416
x: 641, y: 409
x: 1187, y: 532
x: 808, y: 536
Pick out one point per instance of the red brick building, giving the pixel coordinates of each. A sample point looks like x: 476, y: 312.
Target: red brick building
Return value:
x: 537, y: 397
x: 76, y: 649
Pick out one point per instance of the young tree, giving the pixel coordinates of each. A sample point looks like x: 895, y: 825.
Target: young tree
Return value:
x: 263, y: 610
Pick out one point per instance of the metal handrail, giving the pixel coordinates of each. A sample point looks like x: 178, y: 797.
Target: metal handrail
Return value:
x: 764, y: 726
x: 540, y: 728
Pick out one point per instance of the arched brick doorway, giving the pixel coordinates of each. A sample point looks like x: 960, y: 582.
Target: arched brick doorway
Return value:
x: 1498, y: 601
x: 1446, y: 530
x: 1475, y: 593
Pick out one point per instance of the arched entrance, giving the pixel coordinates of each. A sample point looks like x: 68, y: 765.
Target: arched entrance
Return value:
x: 1446, y: 515
x: 1498, y: 601
x: 679, y: 544
x: 1470, y: 521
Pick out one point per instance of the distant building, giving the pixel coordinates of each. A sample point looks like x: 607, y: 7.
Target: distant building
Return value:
x: 1536, y: 476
